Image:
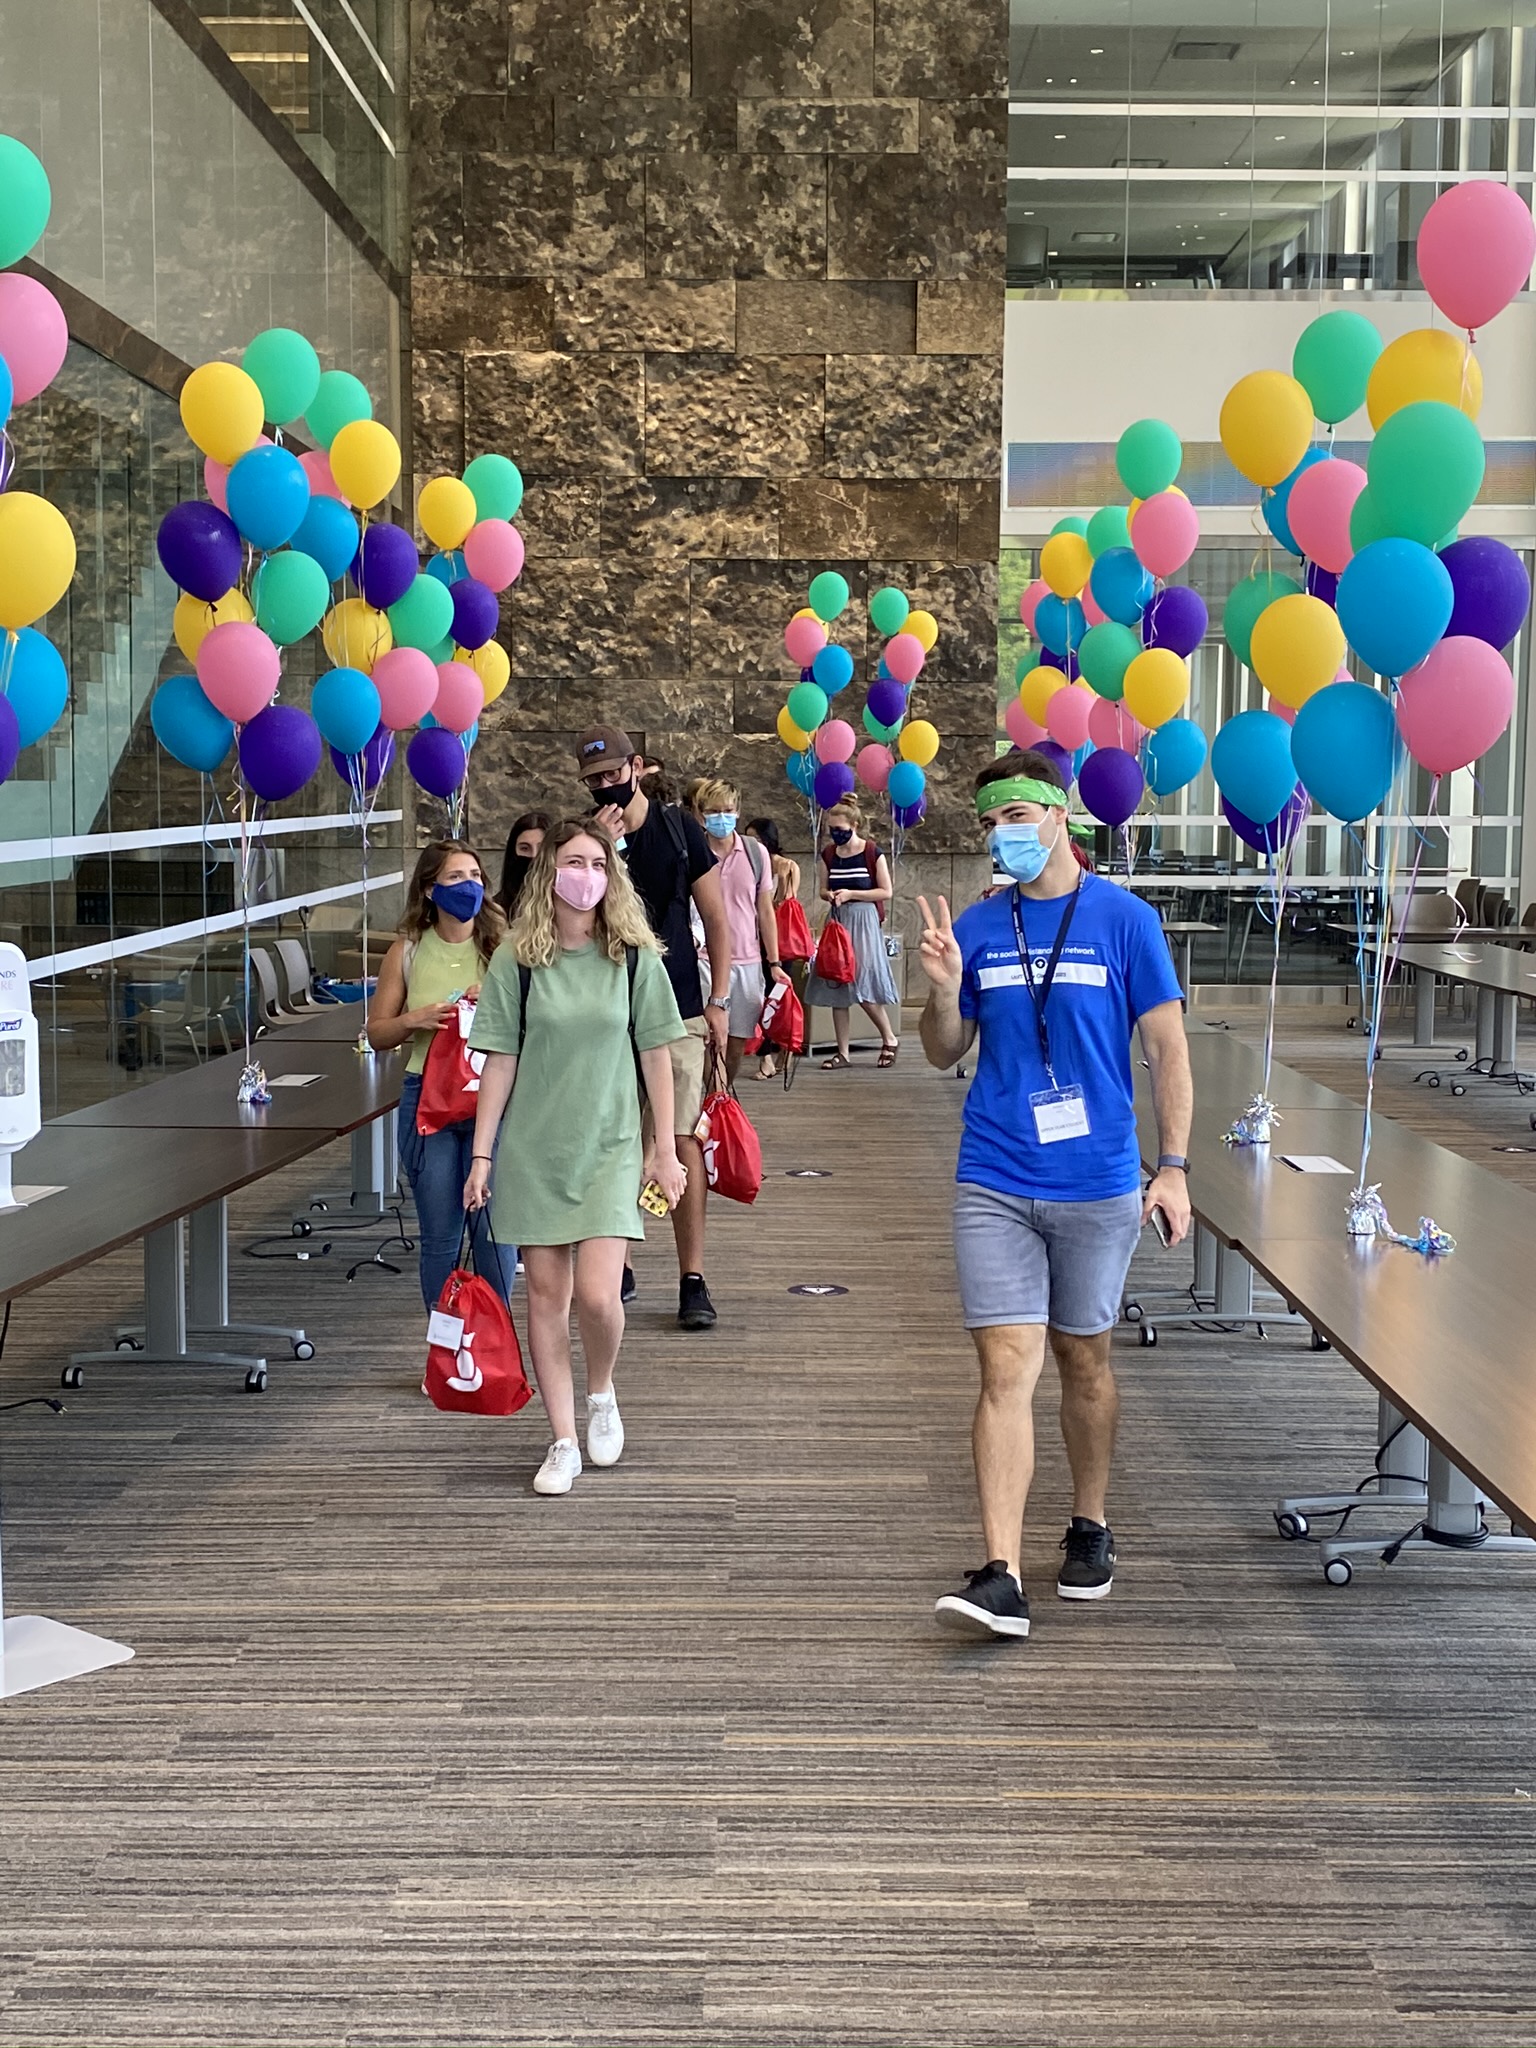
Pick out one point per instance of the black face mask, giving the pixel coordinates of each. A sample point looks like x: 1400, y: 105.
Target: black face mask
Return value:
x: 841, y: 834
x: 621, y: 794
x: 513, y: 875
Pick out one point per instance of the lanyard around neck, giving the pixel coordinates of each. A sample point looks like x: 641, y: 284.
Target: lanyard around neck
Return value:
x: 1042, y: 995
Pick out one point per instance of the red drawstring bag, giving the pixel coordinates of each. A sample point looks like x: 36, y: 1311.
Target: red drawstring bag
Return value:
x: 782, y: 1022
x: 795, y: 941
x: 474, y: 1361
x: 733, y: 1155
x: 834, y: 955
x: 450, y: 1079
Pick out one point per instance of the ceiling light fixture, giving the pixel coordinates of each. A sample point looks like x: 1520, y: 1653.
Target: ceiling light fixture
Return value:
x: 1096, y: 51
x: 1058, y: 138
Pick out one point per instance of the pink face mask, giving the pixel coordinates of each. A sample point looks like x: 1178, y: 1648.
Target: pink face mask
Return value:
x: 582, y: 888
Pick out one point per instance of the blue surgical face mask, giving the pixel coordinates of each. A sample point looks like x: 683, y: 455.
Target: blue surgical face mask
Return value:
x: 1018, y: 851
x: 459, y: 899
x: 719, y: 824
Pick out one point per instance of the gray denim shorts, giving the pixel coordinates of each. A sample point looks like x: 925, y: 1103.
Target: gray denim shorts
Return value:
x: 1027, y: 1261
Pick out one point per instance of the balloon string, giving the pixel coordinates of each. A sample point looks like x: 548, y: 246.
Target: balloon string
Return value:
x: 7, y: 460
x: 12, y: 642
x: 1281, y: 868
x: 1388, y: 879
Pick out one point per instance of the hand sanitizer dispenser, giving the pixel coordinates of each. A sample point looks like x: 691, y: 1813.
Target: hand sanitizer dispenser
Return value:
x: 21, y: 1109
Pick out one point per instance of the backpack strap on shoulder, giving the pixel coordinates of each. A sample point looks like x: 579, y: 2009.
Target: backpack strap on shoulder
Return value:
x: 631, y: 963
x: 524, y: 987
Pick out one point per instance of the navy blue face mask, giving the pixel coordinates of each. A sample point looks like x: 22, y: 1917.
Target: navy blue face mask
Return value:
x: 459, y: 899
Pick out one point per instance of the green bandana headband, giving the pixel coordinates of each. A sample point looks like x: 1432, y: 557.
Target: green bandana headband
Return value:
x: 1021, y: 789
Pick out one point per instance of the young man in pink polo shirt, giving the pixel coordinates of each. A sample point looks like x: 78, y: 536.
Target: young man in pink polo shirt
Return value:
x: 746, y: 883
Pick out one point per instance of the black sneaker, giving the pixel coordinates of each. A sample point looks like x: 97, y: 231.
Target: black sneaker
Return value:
x: 993, y: 1604
x: 695, y: 1310
x: 627, y: 1286
x: 1089, y: 1570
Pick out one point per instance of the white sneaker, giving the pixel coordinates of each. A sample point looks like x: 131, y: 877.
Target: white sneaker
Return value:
x: 605, y: 1428
x: 562, y: 1463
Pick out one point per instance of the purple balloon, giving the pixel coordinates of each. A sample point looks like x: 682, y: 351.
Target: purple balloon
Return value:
x: 386, y: 565
x: 1176, y: 618
x: 373, y: 761
x: 834, y: 781
x: 1271, y: 837
x: 1322, y: 583
x: 475, y: 612
x: 1111, y: 783
x: 1064, y: 664
x: 887, y: 701
x: 437, y: 760
x: 199, y: 547
x: 280, y: 749
x: 10, y: 739
x: 1058, y: 757
x: 908, y: 815
x: 1493, y: 592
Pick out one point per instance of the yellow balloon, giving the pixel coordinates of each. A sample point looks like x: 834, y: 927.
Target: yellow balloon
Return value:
x: 222, y: 409
x: 447, y: 510
x: 923, y: 627
x: 1037, y: 690
x: 1266, y: 426
x: 1156, y: 684
x: 194, y: 620
x: 1131, y: 510
x: 790, y: 733
x: 37, y: 558
x: 1429, y: 363
x: 919, y: 742
x: 355, y: 635
x: 805, y: 612
x: 1065, y: 561
x: 491, y: 664
x: 1296, y: 647
x: 365, y: 461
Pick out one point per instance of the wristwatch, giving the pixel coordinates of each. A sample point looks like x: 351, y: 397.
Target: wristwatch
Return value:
x: 1172, y: 1159
x: 718, y: 1003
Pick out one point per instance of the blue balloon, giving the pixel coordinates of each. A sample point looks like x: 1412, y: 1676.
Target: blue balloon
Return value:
x: 39, y: 684
x: 1394, y: 602
x: 268, y: 495
x: 328, y: 535
x: 1060, y: 623
x: 345, y: 706
x: 7, y: 391
x: 906, y: 784
x: 191, y: 730
x: 1251, y: 760
x: 833, y: 669
x: 1346, y: 748
x: 1173, y: 755
x: 447, y: 568
x: 801, y: 770
x: 1276, y: 517
x: 1121, y: 588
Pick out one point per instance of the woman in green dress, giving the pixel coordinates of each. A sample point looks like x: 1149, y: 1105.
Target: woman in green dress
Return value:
x: 575, y: 1000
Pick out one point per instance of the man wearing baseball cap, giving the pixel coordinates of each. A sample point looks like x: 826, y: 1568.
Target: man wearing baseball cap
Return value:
x: 671, y: 866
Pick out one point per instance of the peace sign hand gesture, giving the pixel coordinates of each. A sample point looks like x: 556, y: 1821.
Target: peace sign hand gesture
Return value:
x: 938, y: 949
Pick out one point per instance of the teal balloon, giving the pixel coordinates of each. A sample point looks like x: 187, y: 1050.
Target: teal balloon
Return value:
x: 1026, y: 664
x: 191, y: 730
x: 496, y: 486
x: 1072, y: 523
x: 1332, y: 362
x: 906, y: 784
x: 26, y: 200
x: 808, y: 706
x: 39, y: 685
x: 292, y: 594
x: 339, y: 400
x: 1394, y: 602
x: 888, y: 610
x: 1148, y: 456
x: 828, y: 597
x: 286, y: 371
x: 1251, y: 761
x: 801, y: 770
x: 450, y: 568
x: 886, y: 733
x: 445, y: 650
x: 1106, y: 653
x: 424, y: 616
x: 328, y: 535
x: 1244, y: 604
x: 1173, y: 755
x: 1110, y: 527
x: 1366, y: 525
x: 345, y: 706
x: 1346, y: 749
x: 1426, y: 468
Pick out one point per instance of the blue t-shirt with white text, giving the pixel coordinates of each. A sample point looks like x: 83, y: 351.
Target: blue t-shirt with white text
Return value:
x: 1114, y: 967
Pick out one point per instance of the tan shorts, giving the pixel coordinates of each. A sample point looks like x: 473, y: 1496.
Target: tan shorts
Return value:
x: 688, y: 1059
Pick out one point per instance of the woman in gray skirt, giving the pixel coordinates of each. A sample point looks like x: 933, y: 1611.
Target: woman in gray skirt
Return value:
x: 856, y: 881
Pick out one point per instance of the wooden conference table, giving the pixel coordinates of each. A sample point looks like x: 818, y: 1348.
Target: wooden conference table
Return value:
x: 1501, y: 974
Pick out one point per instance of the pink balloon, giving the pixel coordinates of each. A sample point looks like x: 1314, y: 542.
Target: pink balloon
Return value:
x: 239, y: 669
x: 1345, y: 674
x: 316, y: 465
x: 1455, y: 704
x: 460, y: 698
x: 1111, y: 725
x: 33, y: 334
x: 1166, y: 531
x: 1067, y: 715
x: 873, y: 767
x: 904, y: 657
x: 407, y: 685
x: 803, y: 641
x: 1287, y: 711
x: 1476, y: 248
x: 1021, y: 728
x: 494, y: 553
x: 1318, y: 510
x: 1091, y: 611
x: 216, y: 475
x: 835, y: 740
x: 1038, y: 589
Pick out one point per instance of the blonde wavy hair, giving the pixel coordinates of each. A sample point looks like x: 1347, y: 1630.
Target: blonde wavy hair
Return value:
x: 620, y: 919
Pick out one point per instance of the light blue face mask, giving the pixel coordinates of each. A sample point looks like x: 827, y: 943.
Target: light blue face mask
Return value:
x: 1018, y: 851
x: 719, y: 824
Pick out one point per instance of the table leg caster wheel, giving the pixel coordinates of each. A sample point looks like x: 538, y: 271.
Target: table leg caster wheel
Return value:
x: 1434, y: 1080
x: 1133, y: 1311
x: 1319, y: 1342
x: 301, y: 1228
x: 127, y: 1344
x: 1338, y: 1571
x: 1148, y: 1336
x: 304, y: 1349
x: 1464, y: 1054
x: 323, y: 1207
x: 256, y: 1380
x: 1351, y: 1023
x: 1457, y: 1088
x: 72, y: 1376
x: 1292, y: 1527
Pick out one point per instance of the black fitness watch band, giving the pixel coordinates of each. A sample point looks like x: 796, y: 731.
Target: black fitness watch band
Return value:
x: 1172, y: 1159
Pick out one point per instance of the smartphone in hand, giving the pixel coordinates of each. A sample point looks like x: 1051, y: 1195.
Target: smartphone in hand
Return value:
x: 1163, y: 1228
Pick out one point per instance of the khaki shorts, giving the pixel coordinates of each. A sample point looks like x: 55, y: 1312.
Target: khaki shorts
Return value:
x: 688, y: 1060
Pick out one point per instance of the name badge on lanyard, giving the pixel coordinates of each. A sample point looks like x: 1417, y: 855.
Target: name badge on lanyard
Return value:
x: 1059, y: 1112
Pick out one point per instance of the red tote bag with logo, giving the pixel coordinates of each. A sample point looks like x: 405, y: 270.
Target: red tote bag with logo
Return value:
x: 474, y: 1361
x: 835, y: 963
x: 450, y: 1079
x: 795, y: 941
x: 733, y: 1153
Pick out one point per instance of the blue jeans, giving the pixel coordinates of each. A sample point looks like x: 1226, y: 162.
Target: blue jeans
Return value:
x: 437, y: 1168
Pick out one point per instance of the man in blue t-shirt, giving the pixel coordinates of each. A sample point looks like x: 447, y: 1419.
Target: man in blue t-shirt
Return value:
x: 1057, y: 971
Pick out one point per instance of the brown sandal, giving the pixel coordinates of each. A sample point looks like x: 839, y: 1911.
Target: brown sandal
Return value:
x: 837, y: 1060
x: 888, y: 1054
